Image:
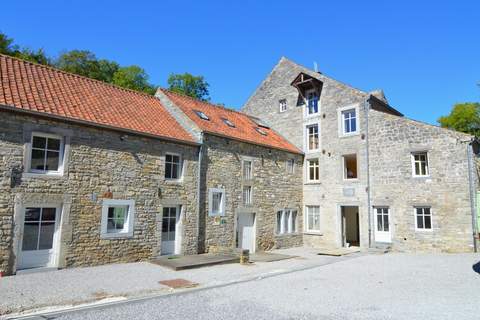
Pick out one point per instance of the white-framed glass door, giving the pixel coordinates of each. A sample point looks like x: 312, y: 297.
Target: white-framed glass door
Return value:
x: 171, y: 230
x: 382, y: 225
x: 38, y: 246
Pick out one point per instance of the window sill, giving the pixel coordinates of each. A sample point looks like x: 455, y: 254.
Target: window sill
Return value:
x: 427, y: 231
x: 287, y: 234
x: 312, y: 183
x: 348, y: 135
x: 353, y: 180
x: 313, y: 233
x: 421, y: 177
x: 173, y: 181
x: 123, y: 235
x: 43, y: 175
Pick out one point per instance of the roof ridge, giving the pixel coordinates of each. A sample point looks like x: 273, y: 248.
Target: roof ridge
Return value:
x: 75, y: 75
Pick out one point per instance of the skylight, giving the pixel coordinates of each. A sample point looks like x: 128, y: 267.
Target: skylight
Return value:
x: 261, y: 131
x: 201, y: 115
x: 228, y: 122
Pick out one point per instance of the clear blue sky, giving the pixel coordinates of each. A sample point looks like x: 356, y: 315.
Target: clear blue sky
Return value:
x: 424, y: 54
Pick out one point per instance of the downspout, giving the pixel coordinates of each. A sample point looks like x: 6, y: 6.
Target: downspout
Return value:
x: 367, y: 109
x: 199, y: 191
x: 471, y: 184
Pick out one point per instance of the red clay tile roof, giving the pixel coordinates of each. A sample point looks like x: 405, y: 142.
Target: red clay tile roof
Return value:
x: 32, y: 87
x: 245, y: 126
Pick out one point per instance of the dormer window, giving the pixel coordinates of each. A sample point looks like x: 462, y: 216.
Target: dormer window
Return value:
x: 261, y: 131
x: 201, y: 115
x: 228, y: 122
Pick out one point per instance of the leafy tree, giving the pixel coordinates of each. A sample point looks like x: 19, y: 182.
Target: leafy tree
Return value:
x: 464, y: 117
x: 193, y: 86
x: 7, y: 47
x: 133, y: 77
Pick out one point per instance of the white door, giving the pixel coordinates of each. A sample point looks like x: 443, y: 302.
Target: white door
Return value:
x: 382, y: 225
x: 38, y: 240
x: 246, y: 231
x: 171, y: 231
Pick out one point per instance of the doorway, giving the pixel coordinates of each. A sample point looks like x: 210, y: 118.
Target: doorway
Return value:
x: 171, y: 230
x: 246, y: 231
x: 350, y: 226
x: 382, y: 225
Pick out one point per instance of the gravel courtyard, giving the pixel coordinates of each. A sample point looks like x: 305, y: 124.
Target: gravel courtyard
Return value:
x: 390, y: 286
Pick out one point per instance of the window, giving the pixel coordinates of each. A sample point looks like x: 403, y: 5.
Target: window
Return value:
x: 247, y: 195
x: 286, y: 221
x: 39, y: 229
x: 117, y: 218
x: 312, y: 219
x: 349, y: 121
x: 228, y: 122
x: 46, y: 154
x: 173, y: 166
x: 290, y: 165
x: 201, y: 115
x: 312, y: 137
x: 312, y: 103
x: 247, y: 169
x: 283, y: 105
x: 420, y: 164
x: 216, y: 201
x: 350, y: 167
x: 383, y: 225
x: 423, y: 218
x: 313, y: 170
x: 261, y: 131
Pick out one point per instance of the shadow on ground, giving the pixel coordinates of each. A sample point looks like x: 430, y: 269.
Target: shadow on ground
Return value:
x: 476, y: 267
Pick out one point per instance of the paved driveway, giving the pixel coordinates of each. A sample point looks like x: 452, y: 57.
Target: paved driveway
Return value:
x: 391, y: 286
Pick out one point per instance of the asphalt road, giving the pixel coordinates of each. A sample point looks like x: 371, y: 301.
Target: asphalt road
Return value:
x: 391, y: 286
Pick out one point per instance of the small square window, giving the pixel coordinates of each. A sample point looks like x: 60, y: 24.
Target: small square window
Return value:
x: 313, y: 138
x: 247, y: 195
x: 290, y: 165
x: 349, y: 121
x: 117, y: 218
x: 283, y: 105
x: 420, y: 164
x: 312, y: 219
x: 423, y: 218
x: 350, y: 167
x: 313, y: 168
x: 46, y: 154
x: 286, y: 221
x: 173, y: 166
x: 216, y: 201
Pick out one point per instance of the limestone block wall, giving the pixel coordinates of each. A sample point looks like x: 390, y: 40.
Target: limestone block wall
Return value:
x: 99, y: 164
x: 273, y: 189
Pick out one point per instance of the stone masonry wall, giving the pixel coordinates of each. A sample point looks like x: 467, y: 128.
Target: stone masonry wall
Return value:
x: 273, y: 189
x: 98, y: 162
x: 392, y: 140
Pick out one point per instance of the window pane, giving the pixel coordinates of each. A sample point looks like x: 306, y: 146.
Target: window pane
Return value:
x: 279, y: 221
x: 53, y: 144
x: 294, y: 221
x: 32, y: 214
x: 48, y: 214
x: 420, y: 221
x: 379, y: 222
x: 174, y: 174
x: 285, y: 221
x: 30, y: 236
x: 386, y: 226
x: 171, y: 226
x: 168, y: 170
x: 38, y: 159
x: 111, y: 212
x: 53, y: 158
x: 353, y: 125
x: 47, y: 230
x: 39, y: 142
x: 111, y: 225
x: 428, y: 222
x: 347, y: 126
x: 168, y: 158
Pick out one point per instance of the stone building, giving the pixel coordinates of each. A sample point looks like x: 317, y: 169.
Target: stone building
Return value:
x: 372, y: 177
x: 92, y: 174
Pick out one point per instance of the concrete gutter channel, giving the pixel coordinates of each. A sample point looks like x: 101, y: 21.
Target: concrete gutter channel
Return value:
x: 52, y: 311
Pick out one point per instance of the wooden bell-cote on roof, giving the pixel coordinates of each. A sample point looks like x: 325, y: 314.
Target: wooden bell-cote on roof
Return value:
x: 304, y: 83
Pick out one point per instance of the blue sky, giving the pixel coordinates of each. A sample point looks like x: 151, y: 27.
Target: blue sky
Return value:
x: 424, y: 54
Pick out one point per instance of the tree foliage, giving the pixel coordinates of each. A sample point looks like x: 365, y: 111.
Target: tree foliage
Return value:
x: 9, y: 48
x: 133, y: 77
x: 464, y: 117
x: 193, y: 86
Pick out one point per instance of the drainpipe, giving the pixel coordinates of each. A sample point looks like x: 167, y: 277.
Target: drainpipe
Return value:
x: 199, y: 190
x: 471, y: 184
x: 367, y: 108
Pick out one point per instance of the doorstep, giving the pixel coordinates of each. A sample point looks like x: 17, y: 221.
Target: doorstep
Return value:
x: 195, y: 261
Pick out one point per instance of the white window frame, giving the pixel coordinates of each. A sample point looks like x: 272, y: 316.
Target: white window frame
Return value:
x: 127, y: 231
x: 180, y: 167
x: 290, y: 166
x: 307, y: 136
x: 308, y: 170
x: 286, y: 229
x: 415, y: 217
x: 244, y: 160
x: 282, y: 105
x: 57, y: 172
x: 341, y: 122
x: 412, y: 156
x: 344, y: 163
x: 211, y: 191
x: 247, y: 200
x: 307, y: 110
x: 306, y: 226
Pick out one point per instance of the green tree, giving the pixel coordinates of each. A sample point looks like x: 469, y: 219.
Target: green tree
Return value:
x: 8, y: 47
x: 193, y: 86
x: 85, y: 63
x: 464, y: 117
x: 133, y: 77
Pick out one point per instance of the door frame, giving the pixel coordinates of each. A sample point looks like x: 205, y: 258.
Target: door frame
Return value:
x: 55, y: 256
x: 390, y: 224
x: 179, y: 214
x: 341, y: 238
x: 237, y: 230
